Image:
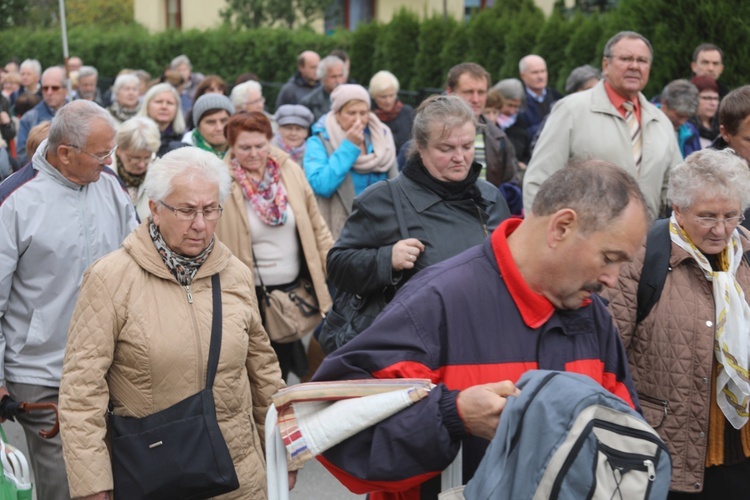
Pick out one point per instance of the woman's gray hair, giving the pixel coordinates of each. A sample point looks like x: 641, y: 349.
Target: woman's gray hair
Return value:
x: 446, y: 111
x: 511, y: 88
x: 33, y: 64
x: 123, y: 80
x: 580, y: 76
x: 326, y: 63
x: 72, y: 123
x: 708, y: 172
x: 189, y: 163
x: 178, y: 124
x: 137, y: 134
x: 181, y: 59
x: 382, y: 81
x: 239, y: 93
x: 681, y: 96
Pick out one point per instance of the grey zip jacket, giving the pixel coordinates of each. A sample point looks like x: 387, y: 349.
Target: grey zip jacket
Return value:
x: 51, y: 231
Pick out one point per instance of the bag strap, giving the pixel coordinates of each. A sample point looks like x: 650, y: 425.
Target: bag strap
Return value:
x: 655, y: 268
x: 215, y: 349
x: 399, y: 209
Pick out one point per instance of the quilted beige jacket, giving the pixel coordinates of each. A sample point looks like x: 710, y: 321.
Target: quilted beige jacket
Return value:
x: 671, y: 357
x: 315, y: 238
x: 138, y: 341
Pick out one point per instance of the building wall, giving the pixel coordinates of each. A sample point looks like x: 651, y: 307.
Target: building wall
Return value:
x: 385, y: 9
x: 203, y: 14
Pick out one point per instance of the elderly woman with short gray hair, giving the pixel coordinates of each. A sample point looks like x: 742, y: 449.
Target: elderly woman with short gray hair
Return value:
x: 140, y: 335
x: 386, y: 105
x: 126, y: 91
x: 514, y: 101
x: 138, y: 140
x: 688, y: 353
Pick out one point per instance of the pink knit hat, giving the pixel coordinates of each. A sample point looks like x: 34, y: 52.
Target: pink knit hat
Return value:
x: 348, y: 92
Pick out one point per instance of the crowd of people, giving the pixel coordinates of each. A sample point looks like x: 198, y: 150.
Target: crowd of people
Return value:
x: 489, y: 220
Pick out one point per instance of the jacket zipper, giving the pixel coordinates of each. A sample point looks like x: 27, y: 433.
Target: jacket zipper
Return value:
x: 196, y: 334
x: 660, y: 402
x: 481, y: 221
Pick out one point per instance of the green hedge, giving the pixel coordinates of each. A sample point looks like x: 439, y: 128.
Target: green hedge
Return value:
x: 420, y: 53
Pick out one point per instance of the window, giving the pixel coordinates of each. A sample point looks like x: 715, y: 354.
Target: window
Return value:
x: 174, y: 14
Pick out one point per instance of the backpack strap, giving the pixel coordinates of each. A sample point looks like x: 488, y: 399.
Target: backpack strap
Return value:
x: 655, y: 268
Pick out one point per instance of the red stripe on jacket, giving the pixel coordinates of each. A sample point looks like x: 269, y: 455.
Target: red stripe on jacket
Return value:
x: 594, y: 368
x: 406, y: 489
x: 458, y: 377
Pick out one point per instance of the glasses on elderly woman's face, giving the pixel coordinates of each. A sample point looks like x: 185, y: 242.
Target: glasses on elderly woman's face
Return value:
x: 712, y: 222
x: 209, y: 213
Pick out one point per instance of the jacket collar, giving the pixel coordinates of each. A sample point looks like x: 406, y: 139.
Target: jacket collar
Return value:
x: 141, y: 248
x: 39, y: 162
x: 535, y: 309
x: 600, y: 103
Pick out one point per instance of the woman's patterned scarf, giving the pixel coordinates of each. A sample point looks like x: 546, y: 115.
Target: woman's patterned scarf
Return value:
x: 183, y: 268
x: 267, y: 196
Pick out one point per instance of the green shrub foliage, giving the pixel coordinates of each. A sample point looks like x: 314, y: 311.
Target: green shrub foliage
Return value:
x: 418, y: 52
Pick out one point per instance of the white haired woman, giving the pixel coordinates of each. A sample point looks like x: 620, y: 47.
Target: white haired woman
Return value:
x: 162, y: 104
x: 349, y: 150
x: 139, y: 338
x: 398, y: 116
x: 689, y: 354
x: 126, y: 92
x: 138, y: 140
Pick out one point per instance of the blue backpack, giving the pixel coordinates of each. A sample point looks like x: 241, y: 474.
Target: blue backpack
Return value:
x: 566, y: 437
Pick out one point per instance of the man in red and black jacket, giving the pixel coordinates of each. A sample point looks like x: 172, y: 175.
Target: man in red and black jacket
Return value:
x: 525, y: 299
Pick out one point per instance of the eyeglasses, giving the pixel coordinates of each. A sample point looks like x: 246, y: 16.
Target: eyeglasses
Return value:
x: 101, y: 159
x: 53, y: 88
x: 140, y: 159
x: 210, y: 213
x: 709, y: 98
x: 712, y: 222
x: 628, y: 60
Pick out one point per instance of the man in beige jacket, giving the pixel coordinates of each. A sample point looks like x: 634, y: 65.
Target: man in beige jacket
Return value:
x: 594, y: 123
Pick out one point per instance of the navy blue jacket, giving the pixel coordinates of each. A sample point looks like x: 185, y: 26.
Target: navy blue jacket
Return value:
x: 457, y: 324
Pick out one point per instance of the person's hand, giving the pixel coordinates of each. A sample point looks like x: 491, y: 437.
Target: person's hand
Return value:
x: 3, y: 392
x: 356, y: 133
x: 292, y: 479
x: 521, y: 165
x: 480, y: 406
x: 405, y: 253
x: 4, y: 118
x: 102, y: 495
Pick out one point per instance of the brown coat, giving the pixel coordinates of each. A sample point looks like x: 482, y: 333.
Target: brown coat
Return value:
x: 671, y: 357
x: 315, y: 238
x: 137, y: 341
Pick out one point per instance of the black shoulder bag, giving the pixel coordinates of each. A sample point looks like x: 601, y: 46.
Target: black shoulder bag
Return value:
x: 352, y: 313
x: 179, y: 452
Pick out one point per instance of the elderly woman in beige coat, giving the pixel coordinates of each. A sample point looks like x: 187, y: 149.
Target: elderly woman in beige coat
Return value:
x: 273, y: 224
x: 140, y: 333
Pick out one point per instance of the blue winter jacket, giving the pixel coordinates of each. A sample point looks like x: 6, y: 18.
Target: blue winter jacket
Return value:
x: 325, y: 174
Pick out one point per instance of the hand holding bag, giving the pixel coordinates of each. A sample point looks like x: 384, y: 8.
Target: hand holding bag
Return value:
x: 178, y: 453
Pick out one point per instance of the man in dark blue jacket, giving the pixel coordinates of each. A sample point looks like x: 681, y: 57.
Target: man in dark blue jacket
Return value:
x: 525, y: 299
x: 539, y: 97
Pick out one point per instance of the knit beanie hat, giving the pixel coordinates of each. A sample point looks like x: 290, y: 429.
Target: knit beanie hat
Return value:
x: 294, y: 114
x: 208, y: 102
x: 348, y: 92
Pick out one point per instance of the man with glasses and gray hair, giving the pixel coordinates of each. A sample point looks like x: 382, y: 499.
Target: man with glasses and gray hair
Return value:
x: 612, y: 121
x: 58, y: 215
x: 54, y: 94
